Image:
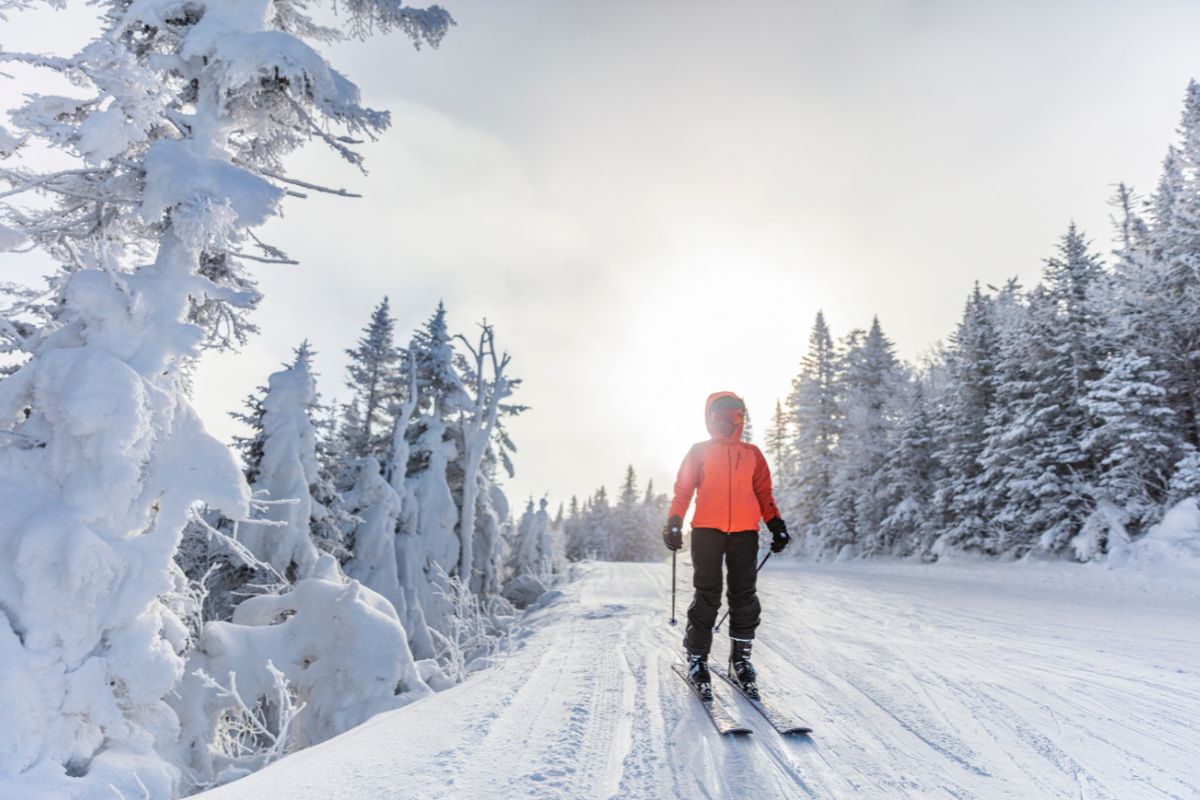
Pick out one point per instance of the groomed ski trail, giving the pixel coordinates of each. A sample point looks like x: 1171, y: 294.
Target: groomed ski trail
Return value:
x: 919, y: 684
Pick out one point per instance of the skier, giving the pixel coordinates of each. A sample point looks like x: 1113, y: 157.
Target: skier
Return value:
x: 732, y: 484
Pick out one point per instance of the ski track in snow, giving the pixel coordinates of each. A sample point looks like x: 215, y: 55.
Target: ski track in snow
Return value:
x: 917, y: 685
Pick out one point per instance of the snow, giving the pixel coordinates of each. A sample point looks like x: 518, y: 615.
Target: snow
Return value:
x: 93, y: 507
x: 178, y: 172
x: 961, y: 679
x: 1171, y: 546
x: 8, y: 143
x: 340, y: 646
x: 11, y: 239
x: 287, y: 469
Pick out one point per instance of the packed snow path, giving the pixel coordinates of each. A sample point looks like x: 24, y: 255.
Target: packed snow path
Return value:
x: 922, y: 682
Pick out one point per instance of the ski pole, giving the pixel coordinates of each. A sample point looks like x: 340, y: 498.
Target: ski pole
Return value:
x: 673, y: 554
x: 756, y: 569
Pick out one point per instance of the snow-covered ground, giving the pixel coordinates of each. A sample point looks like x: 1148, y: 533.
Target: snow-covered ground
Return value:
x: 949, y: 681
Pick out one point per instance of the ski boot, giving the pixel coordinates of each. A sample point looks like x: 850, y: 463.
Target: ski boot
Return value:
x: 699, y: 676
x: 740, y: 668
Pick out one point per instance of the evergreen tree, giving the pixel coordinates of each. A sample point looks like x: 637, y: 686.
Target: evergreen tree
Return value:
x: 529, y: 551
x: 438, y: 380
x: 1170, y: 334
x: 372, y: 381
x: 627, y: 522
x: 868, y: 381
x: 573, y: 532
x: 286, y: 470
x: 961, y: 423
x: 813, y: 412
x: 598, y: 519
x: 778, y: 446
x: 1134, y: 444
x: 1036, y: 470
x: 908, y: 479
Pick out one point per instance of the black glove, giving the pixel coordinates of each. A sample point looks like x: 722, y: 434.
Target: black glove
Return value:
x: 673, y: 533
x: 779, y: 535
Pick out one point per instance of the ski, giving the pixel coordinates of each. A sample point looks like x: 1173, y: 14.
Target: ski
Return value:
x: 780, y: 721
x: 718, y: 712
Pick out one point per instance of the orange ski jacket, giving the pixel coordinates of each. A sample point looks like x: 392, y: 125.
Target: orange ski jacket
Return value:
x: 730, y: 479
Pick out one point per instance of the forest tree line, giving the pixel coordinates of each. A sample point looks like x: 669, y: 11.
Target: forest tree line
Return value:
x: 1060, y: 419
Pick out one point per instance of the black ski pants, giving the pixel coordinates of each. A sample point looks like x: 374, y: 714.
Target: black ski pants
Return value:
x: 740, y: 552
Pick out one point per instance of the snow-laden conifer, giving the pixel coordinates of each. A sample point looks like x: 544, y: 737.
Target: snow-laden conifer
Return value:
x: 178, y: 121
x: 813, y: 412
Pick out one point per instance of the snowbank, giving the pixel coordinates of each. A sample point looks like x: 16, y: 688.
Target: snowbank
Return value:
x: 1172, y: 547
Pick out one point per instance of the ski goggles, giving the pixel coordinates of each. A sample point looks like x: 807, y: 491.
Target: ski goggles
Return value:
x: 730, y: 416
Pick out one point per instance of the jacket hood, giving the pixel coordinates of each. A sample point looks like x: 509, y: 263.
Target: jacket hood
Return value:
x: 737, y: 432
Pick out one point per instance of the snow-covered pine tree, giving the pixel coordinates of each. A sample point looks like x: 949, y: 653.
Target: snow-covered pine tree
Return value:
x: 297, y: 440
x: 598, y: 521
x: 869, y: 380
x: 778, y: 447
x: 373, y: 454
x: 962, y: 411
x: 908, y: 478
x: 1036, y: 471
x: 372, y: 380
x: 435, y: 550
x: 441, y: 386
x: 375, y: 507
x: 1174, y: 336
x: 531, y: 552
x: 434, y: 445
x: 179, y: 119
x: 627, y: 520
x: 575, y: 547
x: 1134, y: 444
x: 630, y: 542
x: 284, y: 471
x: 813, y: 416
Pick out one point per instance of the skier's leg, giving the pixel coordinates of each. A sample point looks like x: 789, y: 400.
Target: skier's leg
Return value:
x: 741, y: 560
x: 708, y: 547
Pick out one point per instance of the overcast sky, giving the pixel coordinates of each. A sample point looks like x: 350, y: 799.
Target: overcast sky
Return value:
x: 652, y: 200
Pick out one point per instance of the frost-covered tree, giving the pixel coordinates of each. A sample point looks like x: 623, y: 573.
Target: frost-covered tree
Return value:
x: 778, y: 446
x: 1170, y: 333
x: 532, y: 550
x: 627, y: 525
x: 596, y: 527
x: 574, y: 544
x: 813, y: 411
x: 623, y: 531
x: 868, y: 382
x: 178, y: 118
x: 1036, y: 471
x: 372, y: 380
x: 963, y: 410
x: 1133, y: 445
x: 908, y: 477
x: 481, y: 407
x: 432, y: 348
x: 285, y: 472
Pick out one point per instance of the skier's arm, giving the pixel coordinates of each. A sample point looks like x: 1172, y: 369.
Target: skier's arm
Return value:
x: 762, y: 487
x: 685, y: 484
